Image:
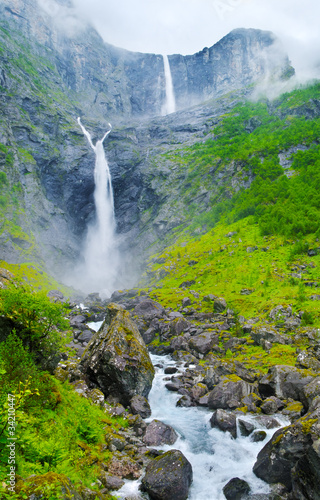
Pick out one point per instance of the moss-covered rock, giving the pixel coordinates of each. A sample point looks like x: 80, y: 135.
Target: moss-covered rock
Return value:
x: 117, y: 359
x: 168, y: 476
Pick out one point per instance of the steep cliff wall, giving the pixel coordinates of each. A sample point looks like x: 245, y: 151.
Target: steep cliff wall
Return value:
x: 52, y: 71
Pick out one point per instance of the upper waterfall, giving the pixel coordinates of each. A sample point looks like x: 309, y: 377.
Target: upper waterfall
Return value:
x: 100, y: 252
x: 170, y: 104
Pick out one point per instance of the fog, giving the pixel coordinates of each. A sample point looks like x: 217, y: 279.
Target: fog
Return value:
x: 186, y: 26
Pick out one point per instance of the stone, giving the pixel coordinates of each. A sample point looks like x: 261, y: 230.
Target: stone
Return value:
x: 158, y: 434
x: 306, y: 474
x: 85, y: 336
x: 246, y: 428
x: 228, y: 394
x: 186, y: 302
x: 219, y: 305
x: 309, y: 392
x: 168, y: 477
x: 258, y: 436
x: 139, y: 406
x: 111, y: 482
x: 148, y: 310
x: 284, y: 382
x: 204, y: 342
x: 236, y: 489
x: 117, y: 360
x: 225, y: 421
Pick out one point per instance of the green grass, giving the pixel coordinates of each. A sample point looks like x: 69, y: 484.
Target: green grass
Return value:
x: 225, y: 268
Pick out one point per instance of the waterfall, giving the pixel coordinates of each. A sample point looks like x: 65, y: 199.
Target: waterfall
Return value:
x: 100, y: 252
x: 170, y: 104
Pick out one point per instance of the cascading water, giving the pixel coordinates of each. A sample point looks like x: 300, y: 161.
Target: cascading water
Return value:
x: 101, y: 258
x: 214, y: 455
x: 170, y: 104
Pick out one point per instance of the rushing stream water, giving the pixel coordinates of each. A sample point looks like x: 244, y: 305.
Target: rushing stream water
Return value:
x: 215, y: 457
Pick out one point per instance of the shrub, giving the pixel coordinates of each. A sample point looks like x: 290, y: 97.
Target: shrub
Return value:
x: 37, y: 320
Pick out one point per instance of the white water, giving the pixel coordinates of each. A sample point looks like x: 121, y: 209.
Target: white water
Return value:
x: 215, y: 457
x: 170, y: 104
x: 100, y: 253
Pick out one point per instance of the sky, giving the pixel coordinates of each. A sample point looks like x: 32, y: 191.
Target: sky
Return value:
x: 187, y: 26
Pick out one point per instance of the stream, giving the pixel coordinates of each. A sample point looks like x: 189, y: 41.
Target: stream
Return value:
x: 214, y: 455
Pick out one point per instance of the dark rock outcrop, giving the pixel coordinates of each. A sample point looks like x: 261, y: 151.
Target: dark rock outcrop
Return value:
x: 116, y: 359
x: 236, y: 489
x: 168, y: 476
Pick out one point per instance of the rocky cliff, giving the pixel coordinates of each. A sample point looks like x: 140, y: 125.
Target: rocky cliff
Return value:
x: 53, y: 68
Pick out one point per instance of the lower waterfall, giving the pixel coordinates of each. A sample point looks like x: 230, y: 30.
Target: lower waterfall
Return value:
x: 100, y: 255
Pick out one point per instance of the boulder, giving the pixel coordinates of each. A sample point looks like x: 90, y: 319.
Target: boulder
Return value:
x: 219, y: 305
x: 285, y: 453
x: 236, y: 489
x: 168, y: 477
x: 225, y: 421
x: 148, y: 310
x: 139, y: 406
x: 246, y: 428
x: 229, y: 393
x: 204, y: 342
x: 306, y: 475
x: 309, y: 392
x: 284, y: 382
x: 116, y: 359
x: 158, y: 433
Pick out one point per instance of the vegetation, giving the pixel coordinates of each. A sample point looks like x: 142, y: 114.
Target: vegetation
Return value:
x: 60, y: 436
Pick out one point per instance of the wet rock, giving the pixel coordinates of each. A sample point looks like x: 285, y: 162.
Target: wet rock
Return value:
x: 236, y: 489
x: 246, y: 428
x: 225, y: 421
x: 168, y: 477
x: 185, y: 402
x: 170, y: 370
x: 139, y: 406
x: 268, y: 422
x: 258, y: 436
x: 117, y: 360
x: 158, y: 433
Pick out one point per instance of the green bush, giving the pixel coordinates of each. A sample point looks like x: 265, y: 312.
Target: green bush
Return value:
x: 38, y: 321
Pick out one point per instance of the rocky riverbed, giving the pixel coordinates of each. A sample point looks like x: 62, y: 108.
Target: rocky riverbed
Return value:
x: 113, y: 367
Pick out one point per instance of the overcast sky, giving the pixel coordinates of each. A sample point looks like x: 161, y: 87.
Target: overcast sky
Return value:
x: 187, y: 26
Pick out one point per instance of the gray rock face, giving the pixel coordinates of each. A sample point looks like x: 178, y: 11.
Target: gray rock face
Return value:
x: 168, y: 476
x: 70, y: 73
x: 117, y: 359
